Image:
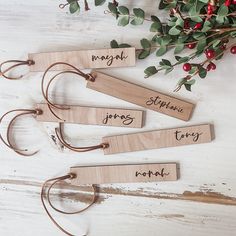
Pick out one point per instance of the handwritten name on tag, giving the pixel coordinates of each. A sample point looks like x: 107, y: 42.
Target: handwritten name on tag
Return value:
x: 158, y: 139
x: 124, y: 173
x: 85, y: 59
x: 93, y: 116
x: 141, y: 96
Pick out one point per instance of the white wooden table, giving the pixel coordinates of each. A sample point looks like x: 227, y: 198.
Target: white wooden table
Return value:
x: 201, y: 202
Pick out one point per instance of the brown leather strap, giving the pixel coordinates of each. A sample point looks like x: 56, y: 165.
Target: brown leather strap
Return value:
x: 60, y: 136
x: 45, y: 91
x: 52, y: 183
x: 16, y: 63
x: 8, y: 142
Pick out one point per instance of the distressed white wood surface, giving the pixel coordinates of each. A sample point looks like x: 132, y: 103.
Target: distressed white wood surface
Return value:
x: 202, y: 202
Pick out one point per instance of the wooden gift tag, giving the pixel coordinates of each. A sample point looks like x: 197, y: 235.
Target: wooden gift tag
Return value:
x: 124, y: 173
x: 141, y: 96
x: 84, y: 59
x: 158, y: 139
x: 93, y: 116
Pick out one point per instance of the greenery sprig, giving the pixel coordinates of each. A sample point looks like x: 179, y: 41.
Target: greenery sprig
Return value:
x: 202, y: 26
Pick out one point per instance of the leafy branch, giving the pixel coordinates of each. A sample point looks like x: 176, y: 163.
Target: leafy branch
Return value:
x: 201, y: 26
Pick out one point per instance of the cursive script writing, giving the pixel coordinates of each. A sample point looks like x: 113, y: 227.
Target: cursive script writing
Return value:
x: 126, y: 119
x: 151, y: 173
x: 162, y: 104
x: 179, y: 135
x: 110, y: 58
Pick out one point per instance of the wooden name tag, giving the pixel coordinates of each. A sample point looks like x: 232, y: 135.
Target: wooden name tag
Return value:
x: 141, y: 96
x: 85, y: 59
x: 124, y: 173
x: 158, y: 139
x: 93, y: 116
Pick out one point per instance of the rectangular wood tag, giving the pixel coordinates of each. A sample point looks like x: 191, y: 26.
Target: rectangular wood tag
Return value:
x: 141, y: 96
x: 158, y: 139
x: 85, y: 59
x: 93, y: 116
x: 124, y: 173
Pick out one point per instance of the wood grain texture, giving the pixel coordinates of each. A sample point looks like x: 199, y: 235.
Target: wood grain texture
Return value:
x: 93, y: 116
x: 84, y: 59
x: 108, y: 174
x: 158, y: 139
x: 201, y: 203
x: 141, y: 96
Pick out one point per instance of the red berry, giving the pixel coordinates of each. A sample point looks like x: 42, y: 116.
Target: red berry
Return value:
x: 233, y: 1
x: 198, y: 26
x: 210, y: 9
x: 209, y: 12
x: 187, y: 67
x: 227, y: 2
x: 210, y: 53
x: 208, y: 67
x: 211, y: 66
x: 233, y: 50
x: 191, y: 45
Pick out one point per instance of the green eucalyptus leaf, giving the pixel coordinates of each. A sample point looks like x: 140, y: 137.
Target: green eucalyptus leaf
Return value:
x: 182, y: 38
x: 166, y: 62
x: 162, y: 5
x: 114, y: 44
x: 139, y: 15
x: 99, y: 2
x: 143, y: 54
x: 206, y: 26
x: 145, y: 43
x: 123, y: 10
x: 168, y: 70
x: 161, y: 51
x: 157, y: 39
x: 188, y: 87
x: 174, y: 31
x: 124, y: 45
x: 155, y: 19
x: 216, y: 43
x: 166, y: 40
x: 201, y: 45
x: 199, y: 35
x: 181, y: 81
x: 151, y: 70
x: 190, y: 82
x: 193, y: 70
x: 113, y: 9
x: 202, y: 72
x: 179, y: 48
x: 123, y: 20
x: 223, y: 10
x: 220, y: 19
x: 156, y: 27
x: 180, y: 22
x: 138, y: 12
x: 74, y: 7
x: 181, y: 59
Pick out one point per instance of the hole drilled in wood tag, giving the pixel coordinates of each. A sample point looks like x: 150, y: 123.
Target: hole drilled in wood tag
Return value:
x: 141, y: 96
x: 124, y: 173
x: 93, y: 116
x: 84, y: 59
x: 158, y: 139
